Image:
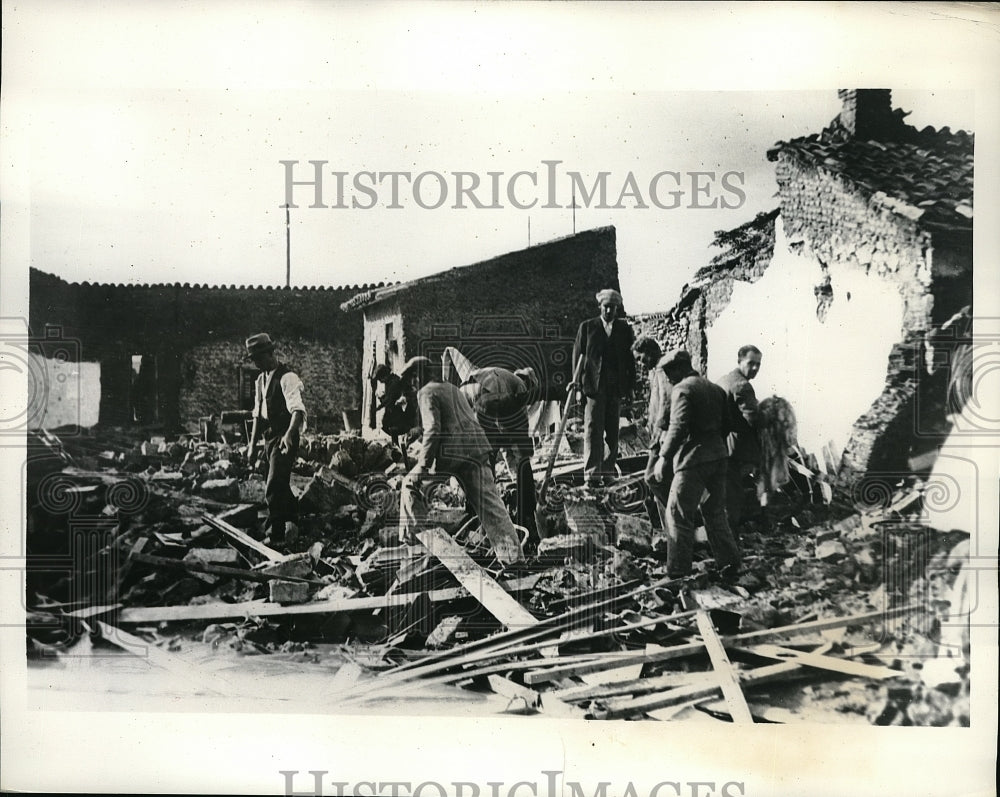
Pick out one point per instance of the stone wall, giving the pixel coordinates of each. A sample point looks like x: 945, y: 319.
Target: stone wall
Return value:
x: 194, y: 335
x: 519, y: 309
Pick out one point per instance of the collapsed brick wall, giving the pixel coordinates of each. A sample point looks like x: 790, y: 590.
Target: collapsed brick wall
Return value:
x: 839, y: 224
x: 932, y: 271
x: 746, y: 252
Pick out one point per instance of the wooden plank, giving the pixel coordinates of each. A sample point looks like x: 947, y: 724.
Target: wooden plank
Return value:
x: 240, y: 536
x: 728, y: 680
x: 514, y: 692
x: 220, y: 570
x: 625, y: 659
x: 767, y: 634
x: 125, y: 568
x: 683, y: 694
x: 476, y: 580
x: 215, y: 611
x: 744, y: 639
x: 831, y: 663
x: 639, y: 686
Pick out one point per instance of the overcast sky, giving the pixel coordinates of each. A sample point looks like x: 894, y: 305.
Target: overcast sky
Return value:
x: 155, y: 146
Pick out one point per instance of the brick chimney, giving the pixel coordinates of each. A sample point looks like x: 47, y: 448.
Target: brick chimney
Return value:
x: 867, y: 113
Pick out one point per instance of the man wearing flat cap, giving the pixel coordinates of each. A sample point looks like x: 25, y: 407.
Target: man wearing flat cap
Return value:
x: 608, y: 377
x: 453, y: 442
x: 500, y: 398
x: 695, y: 447
x: 280, y: 417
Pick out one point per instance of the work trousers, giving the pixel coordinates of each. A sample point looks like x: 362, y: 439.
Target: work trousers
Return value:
x: 482, y: 498
x: 686, y: 491
x: 282, y: 505
x: 600, y: 425
x: 510, y: 434
x: 660, y: 491
x: 737, y: 475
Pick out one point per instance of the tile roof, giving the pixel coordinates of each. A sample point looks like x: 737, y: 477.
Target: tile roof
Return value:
x: 378, y: 293
x: 924, y: 174
x: 206, y: 286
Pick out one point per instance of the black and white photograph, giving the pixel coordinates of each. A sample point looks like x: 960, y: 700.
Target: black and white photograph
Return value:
x: 485, y: 399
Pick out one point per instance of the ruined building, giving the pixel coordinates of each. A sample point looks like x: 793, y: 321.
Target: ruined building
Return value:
x: 868, y: 253
x: 167, y: 355
x: 516, y: 310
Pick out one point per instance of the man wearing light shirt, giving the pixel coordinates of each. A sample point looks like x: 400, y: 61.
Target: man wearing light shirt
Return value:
x: 280, y: 415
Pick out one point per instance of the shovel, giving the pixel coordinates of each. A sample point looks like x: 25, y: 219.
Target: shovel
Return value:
x: 540, y: 516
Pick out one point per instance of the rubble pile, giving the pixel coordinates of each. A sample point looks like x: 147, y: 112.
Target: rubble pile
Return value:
x: 858, y: 615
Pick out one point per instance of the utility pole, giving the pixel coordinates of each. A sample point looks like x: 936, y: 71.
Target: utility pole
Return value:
x: 288, y: 247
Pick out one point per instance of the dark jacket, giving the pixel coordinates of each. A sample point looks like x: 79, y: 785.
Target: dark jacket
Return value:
x: 608, y: 362
x: 698, y: 423
x: 742, y: 406
x: 452, y: 436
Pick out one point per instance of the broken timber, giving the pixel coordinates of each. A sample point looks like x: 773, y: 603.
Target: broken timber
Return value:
x: 240, y: 536
x: 745, y: 639
x: 728, y: 679
x: 216, y: 611
x: 219, y: 570
x: 641, y: 705
x: 476, y: 580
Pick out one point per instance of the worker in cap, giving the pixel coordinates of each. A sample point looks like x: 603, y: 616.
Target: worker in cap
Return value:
x: 279, y: 416
x: 453, y: 443
x: 694, y: 448
x: 606, y: 379
x: 500, y: 398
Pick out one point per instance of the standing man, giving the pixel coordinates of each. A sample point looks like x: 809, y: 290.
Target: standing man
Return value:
x: 649, y: 354
x: 743, y: 444
x: 454, y: 443
x: 696, y: 448
x: 605, y: 343
x: 500, y: 399
x: 279, y: 413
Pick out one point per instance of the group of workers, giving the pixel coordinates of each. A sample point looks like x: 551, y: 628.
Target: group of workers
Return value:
x: 703, y: 443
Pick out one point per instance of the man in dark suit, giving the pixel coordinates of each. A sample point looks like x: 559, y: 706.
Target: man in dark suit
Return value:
x: 695, y: 446
x: 608, y: 377
x: 744, y: 447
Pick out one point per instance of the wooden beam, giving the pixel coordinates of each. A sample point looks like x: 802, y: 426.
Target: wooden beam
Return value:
x: 825, y: 662
x: 748, y: 638
x: 219, y: 570
x: 641, y: 705
x: 476, y: 580
x: 216, y: 611
x: 240, y: 536
x: 639, y: 686
x: 625, y: 659
x: 728, y: 680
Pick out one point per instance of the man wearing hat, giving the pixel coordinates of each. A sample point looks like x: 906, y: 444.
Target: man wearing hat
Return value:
x: 695, y: 446
x: 280, y: 415
x: 453, y: 442
x: 608, y: 377
x: 500, y: 398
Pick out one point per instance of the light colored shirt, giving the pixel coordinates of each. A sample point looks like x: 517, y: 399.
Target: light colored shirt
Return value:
x: 291, y: 389
x: 608, y: 327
